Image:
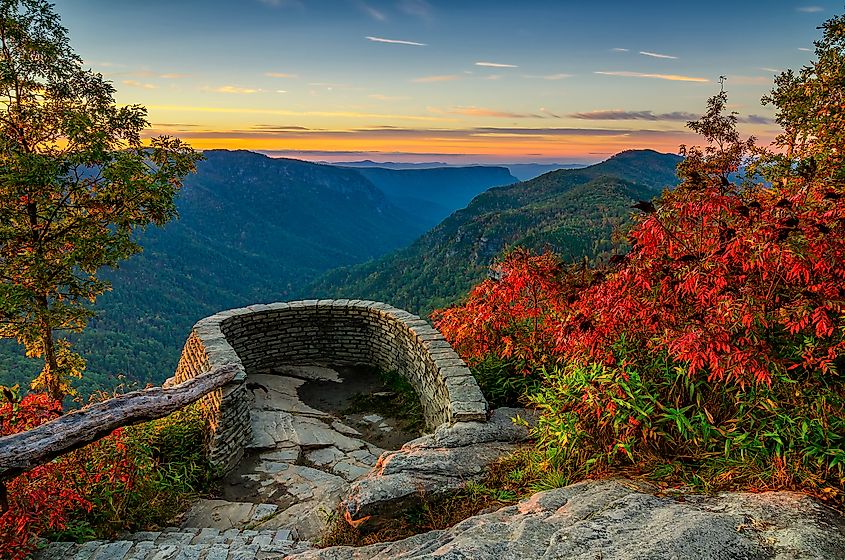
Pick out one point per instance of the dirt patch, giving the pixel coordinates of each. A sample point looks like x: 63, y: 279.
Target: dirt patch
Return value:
x: 368, y: 401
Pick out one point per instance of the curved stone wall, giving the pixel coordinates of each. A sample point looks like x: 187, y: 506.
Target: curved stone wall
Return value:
x: 334, y: 332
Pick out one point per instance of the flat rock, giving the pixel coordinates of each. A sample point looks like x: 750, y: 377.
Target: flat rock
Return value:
x: 622, y: 520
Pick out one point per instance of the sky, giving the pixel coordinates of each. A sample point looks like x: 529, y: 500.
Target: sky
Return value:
x: 453, y: 80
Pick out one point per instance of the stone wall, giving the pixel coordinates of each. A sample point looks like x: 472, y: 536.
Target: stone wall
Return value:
x: 334, y: 332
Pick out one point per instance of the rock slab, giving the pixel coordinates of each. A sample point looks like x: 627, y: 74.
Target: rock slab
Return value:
x: 623, y: 520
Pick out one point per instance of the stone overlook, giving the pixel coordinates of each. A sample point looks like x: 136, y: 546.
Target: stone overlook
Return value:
x: 261, y: 337
x: 291, y: 463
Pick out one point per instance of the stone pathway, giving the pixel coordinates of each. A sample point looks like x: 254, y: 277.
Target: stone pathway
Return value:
x: 182, y: 544
x: 298, y: 467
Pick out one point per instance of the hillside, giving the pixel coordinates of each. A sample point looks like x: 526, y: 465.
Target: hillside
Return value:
x: 432, y: 194
x: 574, y: 212
x: 251, y: 229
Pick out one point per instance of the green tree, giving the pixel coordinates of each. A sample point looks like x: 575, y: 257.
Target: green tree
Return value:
x: 75, y: 182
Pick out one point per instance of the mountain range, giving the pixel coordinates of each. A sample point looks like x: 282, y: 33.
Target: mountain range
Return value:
x: 250, y: 228
x: 572, y: 212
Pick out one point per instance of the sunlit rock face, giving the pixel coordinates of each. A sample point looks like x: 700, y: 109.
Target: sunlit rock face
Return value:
x: 624, y: 520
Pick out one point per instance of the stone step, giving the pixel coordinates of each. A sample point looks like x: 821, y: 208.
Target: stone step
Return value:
x: 181, y: 544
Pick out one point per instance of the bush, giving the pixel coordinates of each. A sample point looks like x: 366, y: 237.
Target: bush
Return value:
x: 718, y: 340
x: 137, y: 477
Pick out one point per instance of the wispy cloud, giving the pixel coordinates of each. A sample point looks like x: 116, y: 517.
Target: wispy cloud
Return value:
x: 382, y: 97
x: 773, y: 70
x: 496, y: 65
x: 619, y: 115
x: 234, y: 89
x: 548, y: 76
x: 658, y: 55
x: 618, y: 49
x: 756, y: 119
x: 394, y: 41
x: 670, y: 77
x: 372, y: 12
x: 287, y: 113
x: 484, y: 112
x: 805, y: 49
x: 809, y: 9
x: 137, y: 84
x: 280, y: 75
x: 284, y: 3
x: 432, y: 79
x: 174, y: 76
x: 416, y: 8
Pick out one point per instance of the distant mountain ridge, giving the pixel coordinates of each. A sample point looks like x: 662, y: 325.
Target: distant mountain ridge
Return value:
x: 572, y: 212
x: 431, y: 194
x: 521, y: 171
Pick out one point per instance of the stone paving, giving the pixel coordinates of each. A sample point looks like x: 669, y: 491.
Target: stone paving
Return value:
x: 300, y: 465
x: 183, y: 544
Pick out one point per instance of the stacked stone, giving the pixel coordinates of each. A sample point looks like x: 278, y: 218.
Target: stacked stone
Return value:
x: 261, y: 337
x: 194, y: 544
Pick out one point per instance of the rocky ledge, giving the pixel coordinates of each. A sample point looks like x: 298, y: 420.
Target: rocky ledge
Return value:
x: 623, y: 520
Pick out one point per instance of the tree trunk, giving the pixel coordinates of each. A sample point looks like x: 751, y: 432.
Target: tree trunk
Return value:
x: 52, y: 379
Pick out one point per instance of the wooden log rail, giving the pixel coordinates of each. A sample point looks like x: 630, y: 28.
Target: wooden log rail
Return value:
x: 26, y: 450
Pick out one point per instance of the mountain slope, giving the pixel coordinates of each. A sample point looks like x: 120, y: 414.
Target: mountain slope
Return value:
x: 251, y: 229
x: 433, y: 194
x: 572, y: 212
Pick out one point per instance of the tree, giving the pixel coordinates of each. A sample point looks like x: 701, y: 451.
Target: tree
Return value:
x: 76, y: 182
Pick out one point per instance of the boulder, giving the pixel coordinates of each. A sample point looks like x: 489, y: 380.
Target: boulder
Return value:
x: 624, y: 520
x: 432, y: 466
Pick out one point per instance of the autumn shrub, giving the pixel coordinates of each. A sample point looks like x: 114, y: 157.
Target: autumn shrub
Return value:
x: 718, y: 339
x: 137, y: 477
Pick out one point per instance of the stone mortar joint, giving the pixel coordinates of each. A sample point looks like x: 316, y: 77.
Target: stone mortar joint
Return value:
x: 259, y: 338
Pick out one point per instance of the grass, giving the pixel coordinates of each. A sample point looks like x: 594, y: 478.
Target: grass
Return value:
x: 399, y: 401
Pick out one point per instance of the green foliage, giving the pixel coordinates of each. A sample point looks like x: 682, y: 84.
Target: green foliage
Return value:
x: 789, y: 433
x: 75, y: 183
x: 170, y: 455
x: 403, y: 402
x: 504, y: 382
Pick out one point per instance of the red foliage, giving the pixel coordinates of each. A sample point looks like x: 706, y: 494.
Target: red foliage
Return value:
x: 508, y: 316
x: 737, y: 281
x: 47, y: 497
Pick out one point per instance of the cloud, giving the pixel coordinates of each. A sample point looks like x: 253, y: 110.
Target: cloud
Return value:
x: 772, y: 70
x: 619, y: 115
x: 658, y: 55
x: 284, y: 4
x: 395, y: 41
x: 372, y: 12
x: 805, y: 49
x: 496, y: 65
x: 280, y: 75
x: 617, y: 49
x: 174, y: 76
x: 234, y: 89
x: 432, y: 79
x: 670, y: 77
x: 287, y: 113
x: 809, y: 9
x: 382, y: 97
x: 549, y: 113
x: 756, y: 119
x: 548, y: 77
x: 484, y: 112
x: 416, y: 8
x: 137, y: 84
